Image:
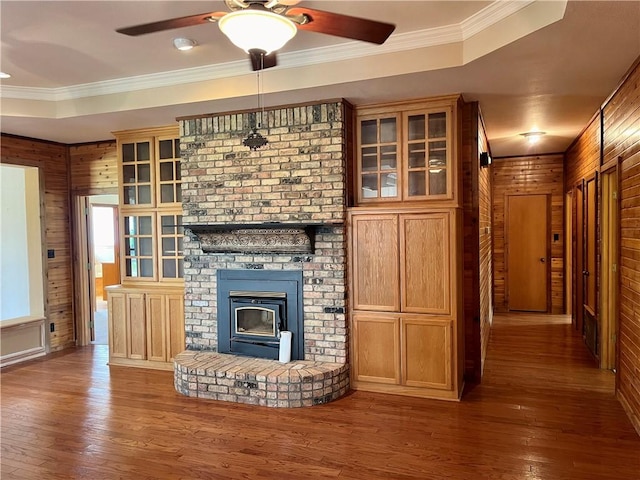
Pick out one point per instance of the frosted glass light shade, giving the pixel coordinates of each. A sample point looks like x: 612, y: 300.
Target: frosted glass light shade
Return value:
x: 257, y: 29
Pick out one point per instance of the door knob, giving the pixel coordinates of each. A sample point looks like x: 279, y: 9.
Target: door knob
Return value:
x: 542, y: 259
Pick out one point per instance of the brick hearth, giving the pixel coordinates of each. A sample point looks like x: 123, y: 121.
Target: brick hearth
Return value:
x: 257, y: 381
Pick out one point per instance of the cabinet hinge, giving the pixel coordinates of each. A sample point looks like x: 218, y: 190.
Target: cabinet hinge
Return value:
x: 88, y: 265
x: 86, y: 211
x: 614, y: 267
x: 91, y: 324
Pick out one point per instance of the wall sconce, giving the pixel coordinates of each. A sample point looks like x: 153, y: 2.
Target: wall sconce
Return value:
x: 485, y: 159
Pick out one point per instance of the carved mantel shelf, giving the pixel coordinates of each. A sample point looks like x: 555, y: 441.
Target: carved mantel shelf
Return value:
x: 281, y: 238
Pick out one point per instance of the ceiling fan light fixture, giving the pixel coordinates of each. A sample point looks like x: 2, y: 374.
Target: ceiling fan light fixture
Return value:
x: 184, y: 44
x: 254, y: 29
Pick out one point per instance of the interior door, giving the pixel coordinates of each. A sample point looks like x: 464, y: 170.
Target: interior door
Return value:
x: 609, y: 271
x: 589, y: 273
x: 527, y: 251
x: 579, y: 257
x: 568, y: 254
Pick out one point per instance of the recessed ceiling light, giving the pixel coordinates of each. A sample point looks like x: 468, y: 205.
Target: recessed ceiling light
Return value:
x: 533, y: 137
x: 4, y: 75
x: 184, y: 44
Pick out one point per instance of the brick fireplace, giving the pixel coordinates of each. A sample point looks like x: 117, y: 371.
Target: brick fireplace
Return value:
x: 240, y: 208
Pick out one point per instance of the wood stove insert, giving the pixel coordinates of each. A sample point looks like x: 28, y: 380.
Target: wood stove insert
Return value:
x: 254, y: 306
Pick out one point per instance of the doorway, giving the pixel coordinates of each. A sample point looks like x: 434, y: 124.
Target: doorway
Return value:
x: 103, y: 236
x: 97, y: 265
x: 590, y: 301
x: 568, y: 254
x: 527, y: 227
x: 578, y: 257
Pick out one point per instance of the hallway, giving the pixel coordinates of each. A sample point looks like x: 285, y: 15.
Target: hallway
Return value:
x: 543, y: 412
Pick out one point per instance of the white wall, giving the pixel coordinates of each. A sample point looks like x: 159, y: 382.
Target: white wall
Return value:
x: 21, y: 275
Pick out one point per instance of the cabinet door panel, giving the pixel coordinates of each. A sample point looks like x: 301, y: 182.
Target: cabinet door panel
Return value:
x: 377, y: 158
x: 426, y: 353
x: 117, y: 307
x: 175, y: 325
x: 425, y: 263
x: 377, y: 348
x: 375, y: 262
x: 156, y: 337
x: 427, y: 155
x: 136, y: 326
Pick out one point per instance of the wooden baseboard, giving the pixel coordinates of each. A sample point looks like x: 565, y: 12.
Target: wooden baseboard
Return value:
x: 22, y: 357
x: 64, y: 346
x: 633, y: 417
x: 127, y: 362
x: 407, y: 391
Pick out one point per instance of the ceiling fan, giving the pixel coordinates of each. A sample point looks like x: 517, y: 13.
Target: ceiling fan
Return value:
x: 261, y: 27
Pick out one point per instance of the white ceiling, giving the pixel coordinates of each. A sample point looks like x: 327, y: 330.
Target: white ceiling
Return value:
x: 544, y: 64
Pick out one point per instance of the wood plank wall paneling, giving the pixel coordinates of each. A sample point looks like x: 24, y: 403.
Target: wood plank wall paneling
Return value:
x: 486, y: 246
x: 477, y: 280
x: 621, y: 125
x: 94, y: 168
x: 529, y: 175
x: 583, y: 156
x: 620, y: 118
x: 469, y: 156
x: 629, y: 315
x: 582, y: 159
x: 53, y: 159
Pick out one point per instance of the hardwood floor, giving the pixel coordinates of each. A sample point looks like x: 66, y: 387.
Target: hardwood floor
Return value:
x: 543, y: 411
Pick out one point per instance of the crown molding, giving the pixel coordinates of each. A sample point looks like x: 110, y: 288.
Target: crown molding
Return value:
x: 485, y: 18
x: 490, y: 15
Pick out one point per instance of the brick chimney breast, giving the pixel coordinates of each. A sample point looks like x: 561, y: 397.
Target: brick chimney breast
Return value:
x: 298, y: 178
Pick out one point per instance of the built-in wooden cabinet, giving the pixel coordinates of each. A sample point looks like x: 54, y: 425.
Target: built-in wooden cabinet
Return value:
x: 405, y: 251
x: 406, y: 298
x: 146, y: 327
x: 150, y: 205
x: 146, y: 312
x: 405, y: 152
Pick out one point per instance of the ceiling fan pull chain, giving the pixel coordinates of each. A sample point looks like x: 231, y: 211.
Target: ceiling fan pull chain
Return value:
x: 261, y: 87
x: 259, y: 120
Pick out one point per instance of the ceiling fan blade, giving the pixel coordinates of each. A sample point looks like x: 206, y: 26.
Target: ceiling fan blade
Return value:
x: 170, y: 24
x: 343, y: 25
x: 259, y: 61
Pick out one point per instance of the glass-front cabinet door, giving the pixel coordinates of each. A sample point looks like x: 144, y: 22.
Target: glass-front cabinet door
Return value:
x: 378, y: 158
x: 171, y: 247
x: 137, y: 173
x: 427, y: 173
x: 169, y: 180
x: 152, y: 234
x: 405, y: 155
x: 139, y: 247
